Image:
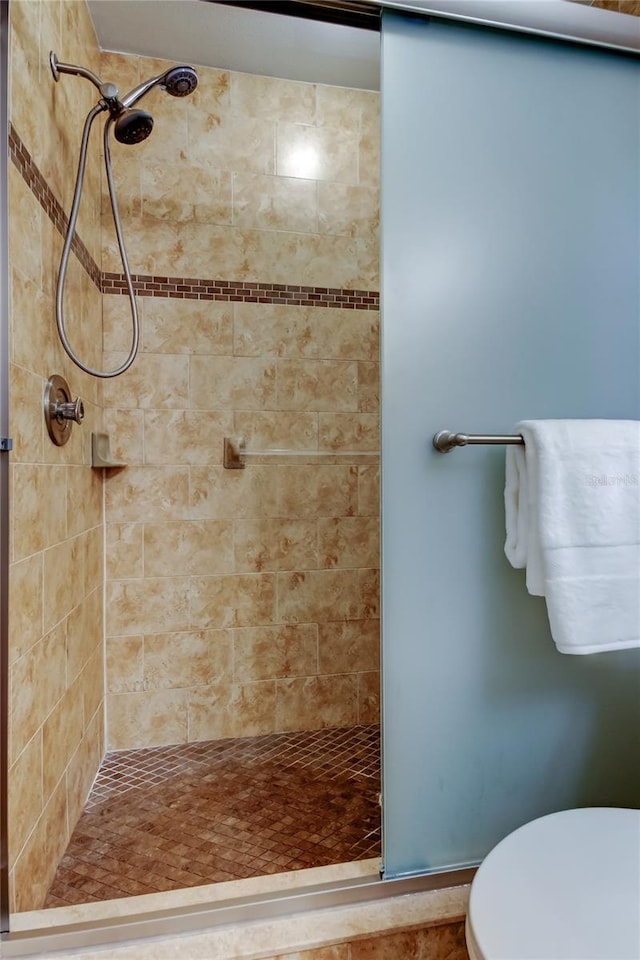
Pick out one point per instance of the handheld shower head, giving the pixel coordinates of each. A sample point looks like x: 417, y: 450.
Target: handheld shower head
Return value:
x: 180, y: 81
x: 132, y: 126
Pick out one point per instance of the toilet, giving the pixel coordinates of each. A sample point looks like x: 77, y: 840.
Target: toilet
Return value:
x: 563, y: 887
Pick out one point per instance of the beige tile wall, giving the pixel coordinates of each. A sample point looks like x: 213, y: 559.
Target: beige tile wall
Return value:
x: 440, y: 942
x: 244, y: 602
x: 56, y: 578
x: 238, y: 603
x: 630, y: 7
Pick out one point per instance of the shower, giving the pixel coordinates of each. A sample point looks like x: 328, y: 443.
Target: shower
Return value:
x: 129, y: 126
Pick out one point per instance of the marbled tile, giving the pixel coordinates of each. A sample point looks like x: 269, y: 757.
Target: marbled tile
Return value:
x: 263, y: 653
x: 275, y: 203
x: 152, y: 382
x: 349, y: 542
x: 348, y: 335
x: 147, y: 493
x: 299, y: 258
x: 124, y: 551
x: 25, y: 220
x: 311, y: 703
x: 275, y: 545
x: 261, y: 329
x: 369, y: 491
x: 369, y: 157
x: 31, y: 345
x: 147, y: 606
x: 369, y: 697
x: 92, y: 681
x: 84, y: 499
x: 232, y: 141
x: 83, y: 767
x: 169, y: 142
x: 339, y: 951
x: 368, y: 387
x: 146, y: 719
x: 316, y: 153
x: 217, y: 494
x: 368, y: 264
x: 214, y: 88
x: 349, y: 431
x: 93, y: 559
x: 84, y: 633
x: 125, y: 664
x: 125, y: 429
x: 290, y: 430
x: 319, y: 595
x: 188, y: 547
x: 220, y: 383
x: 26, y: 422
x: 348, y: 210
x: 348, y: 646
x: 330, y: 491
x: 181, y: 192
x: 317, y: 385
x: 121, y: 69
x: 25, y: 794
x: 241, y: 600
x: 26, y: 607
x: 128, y: 182
x: 232, y: 710
x: 36, y: 866
x: 187, y: 659
x: 117, y: 324
x: 62, y: 590
x: 184, y: 326
x: 273, y: 98
x: 185, y: 436
x: 346, y: 107
x: 442, y: 942
x: 61, y: 736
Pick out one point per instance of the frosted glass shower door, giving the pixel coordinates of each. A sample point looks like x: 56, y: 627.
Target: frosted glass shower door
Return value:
x: 511, y: 260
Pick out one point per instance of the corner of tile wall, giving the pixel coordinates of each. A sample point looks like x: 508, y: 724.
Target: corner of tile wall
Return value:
x: 244, y: 602
x: 56, y: 574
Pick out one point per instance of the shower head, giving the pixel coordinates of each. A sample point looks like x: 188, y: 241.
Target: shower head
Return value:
x: 132, y: 126
x: 178, y: 81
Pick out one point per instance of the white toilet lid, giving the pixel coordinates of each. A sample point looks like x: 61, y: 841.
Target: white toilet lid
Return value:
x: 564, y: 887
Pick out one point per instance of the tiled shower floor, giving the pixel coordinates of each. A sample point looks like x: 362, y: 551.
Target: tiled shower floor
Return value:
x: 164, y: 818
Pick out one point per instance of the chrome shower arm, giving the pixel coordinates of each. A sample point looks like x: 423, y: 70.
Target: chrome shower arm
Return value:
x: 107, y: 90
x: 138, y: 92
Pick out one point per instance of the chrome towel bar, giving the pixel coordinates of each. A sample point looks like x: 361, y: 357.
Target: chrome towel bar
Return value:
x: 445, y: 440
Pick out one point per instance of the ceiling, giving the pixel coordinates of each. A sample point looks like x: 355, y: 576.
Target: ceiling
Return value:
x: 235, y: 38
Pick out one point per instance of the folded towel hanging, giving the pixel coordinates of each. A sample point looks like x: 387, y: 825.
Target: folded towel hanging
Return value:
x: 572, y: 501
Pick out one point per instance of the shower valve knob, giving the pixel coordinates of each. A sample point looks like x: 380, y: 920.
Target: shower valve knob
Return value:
x: 61, y: 411
x: 73, y: 410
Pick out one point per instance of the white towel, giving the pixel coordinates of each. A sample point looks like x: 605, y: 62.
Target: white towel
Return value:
x: 572, y: 499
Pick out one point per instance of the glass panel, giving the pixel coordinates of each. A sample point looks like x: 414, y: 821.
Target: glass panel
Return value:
x: 510, y: 277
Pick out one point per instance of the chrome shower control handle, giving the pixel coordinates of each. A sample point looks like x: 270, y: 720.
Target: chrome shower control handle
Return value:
x: 60, y: 410
x: 71, y: 410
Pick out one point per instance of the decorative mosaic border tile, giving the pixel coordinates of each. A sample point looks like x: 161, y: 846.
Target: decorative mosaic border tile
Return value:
x: 41, y: 190
x: 182, y: 288
x: 237, y: 290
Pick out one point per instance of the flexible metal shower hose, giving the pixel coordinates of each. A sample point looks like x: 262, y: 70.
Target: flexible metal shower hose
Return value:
x: 71, y: 229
